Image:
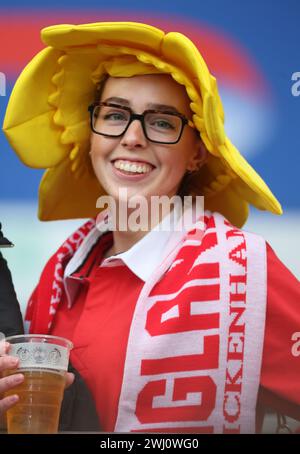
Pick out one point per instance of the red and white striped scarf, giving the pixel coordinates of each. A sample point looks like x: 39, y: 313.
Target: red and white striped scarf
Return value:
x: 195, y: 345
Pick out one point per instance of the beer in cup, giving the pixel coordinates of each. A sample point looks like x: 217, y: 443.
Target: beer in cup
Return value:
x: 43, y: 360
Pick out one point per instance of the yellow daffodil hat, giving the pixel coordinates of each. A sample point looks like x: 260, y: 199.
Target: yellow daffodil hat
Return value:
x: 47, y: 119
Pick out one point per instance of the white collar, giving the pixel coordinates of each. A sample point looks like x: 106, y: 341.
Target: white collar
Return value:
x: 142, y: 258
x: 145, y: 255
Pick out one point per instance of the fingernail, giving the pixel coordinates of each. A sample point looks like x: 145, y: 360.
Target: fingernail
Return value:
x: 19, y: 378
x: 14, y: 361
x: 13, y: 398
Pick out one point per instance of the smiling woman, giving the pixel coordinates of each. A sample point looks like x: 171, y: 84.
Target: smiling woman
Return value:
x: 174, y: 330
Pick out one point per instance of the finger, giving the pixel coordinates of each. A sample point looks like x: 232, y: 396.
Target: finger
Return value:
x: 4, y: 347
x: 8, y: 362
x: 8, y: 402
x: 2, y: 343
x: 69, y: 379
x: 9, y: 382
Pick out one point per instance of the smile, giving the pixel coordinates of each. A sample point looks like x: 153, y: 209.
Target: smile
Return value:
x: 132, y: 167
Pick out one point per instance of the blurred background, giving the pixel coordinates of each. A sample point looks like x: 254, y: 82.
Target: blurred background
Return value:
x: 250, y: 46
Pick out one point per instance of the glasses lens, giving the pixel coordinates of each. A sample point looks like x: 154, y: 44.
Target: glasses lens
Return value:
x: 110, y: 120
x: 163, y: 127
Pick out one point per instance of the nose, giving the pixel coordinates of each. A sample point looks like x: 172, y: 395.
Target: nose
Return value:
x: 134, y: 137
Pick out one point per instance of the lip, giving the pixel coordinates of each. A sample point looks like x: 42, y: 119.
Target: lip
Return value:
x: 123, y: 176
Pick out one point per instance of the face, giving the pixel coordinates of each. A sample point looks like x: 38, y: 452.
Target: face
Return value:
x: 155, y: 169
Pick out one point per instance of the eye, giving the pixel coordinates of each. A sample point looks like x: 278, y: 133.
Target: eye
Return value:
x: 115, y: 116
x: 161, y: 122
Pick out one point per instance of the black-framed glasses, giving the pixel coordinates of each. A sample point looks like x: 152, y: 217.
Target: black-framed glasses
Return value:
x: 113, y: 120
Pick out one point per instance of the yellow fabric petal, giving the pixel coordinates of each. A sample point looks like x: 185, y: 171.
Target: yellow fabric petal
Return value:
x: 71, y: 197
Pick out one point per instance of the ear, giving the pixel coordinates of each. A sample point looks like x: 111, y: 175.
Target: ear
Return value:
x: 198, y: 158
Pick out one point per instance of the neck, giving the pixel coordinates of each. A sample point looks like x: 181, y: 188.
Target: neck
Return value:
x: 125, y: 239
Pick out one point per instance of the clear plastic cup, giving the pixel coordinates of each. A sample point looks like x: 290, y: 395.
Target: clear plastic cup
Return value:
x: 43, y: 360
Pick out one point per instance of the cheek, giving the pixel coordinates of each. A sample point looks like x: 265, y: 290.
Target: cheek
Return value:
x: 98, y: 152
x: 96, y: 146
x: 175, y: 161
x: 174, y: 170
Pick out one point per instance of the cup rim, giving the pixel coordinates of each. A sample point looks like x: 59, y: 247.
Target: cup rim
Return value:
x: 47, y: 336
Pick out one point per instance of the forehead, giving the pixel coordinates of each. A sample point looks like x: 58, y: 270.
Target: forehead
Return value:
x: 144, y: 89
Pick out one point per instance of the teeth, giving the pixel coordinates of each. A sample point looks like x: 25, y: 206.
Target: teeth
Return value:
x: 132, y: 167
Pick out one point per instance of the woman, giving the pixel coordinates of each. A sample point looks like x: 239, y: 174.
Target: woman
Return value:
x: 175, y: 329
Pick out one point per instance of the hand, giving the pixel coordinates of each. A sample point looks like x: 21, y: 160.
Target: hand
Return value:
x: 6, y: 383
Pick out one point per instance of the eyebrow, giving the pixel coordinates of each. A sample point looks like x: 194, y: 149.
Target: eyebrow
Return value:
x: 125, y: 102
x: 118, y: 100
x: 163, y: 107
